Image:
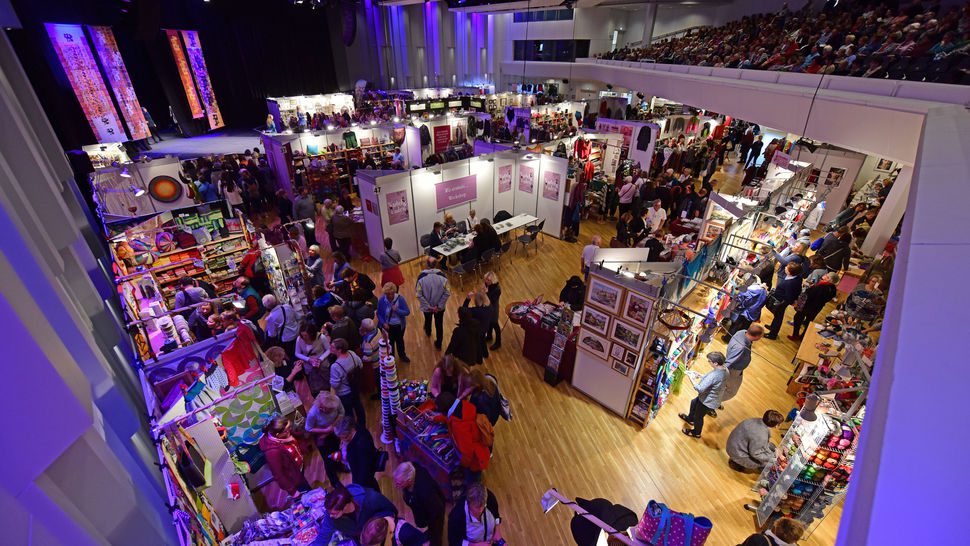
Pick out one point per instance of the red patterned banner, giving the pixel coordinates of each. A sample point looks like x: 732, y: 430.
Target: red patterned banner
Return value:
x: 82, y: 71
x: 184, y: 73
x: 114, y: 66
x: 193, y: 47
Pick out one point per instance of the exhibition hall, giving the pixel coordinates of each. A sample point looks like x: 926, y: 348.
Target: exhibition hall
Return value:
x: 483, y: 272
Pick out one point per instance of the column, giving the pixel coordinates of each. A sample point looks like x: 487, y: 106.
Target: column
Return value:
x: 917, y: 395
x: 890, y: 214
x: 649, y: 19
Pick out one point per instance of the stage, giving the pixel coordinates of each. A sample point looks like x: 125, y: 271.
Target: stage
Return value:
x: 219, y: 142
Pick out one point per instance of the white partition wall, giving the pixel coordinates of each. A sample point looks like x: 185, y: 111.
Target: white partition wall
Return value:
x: 407, y: 204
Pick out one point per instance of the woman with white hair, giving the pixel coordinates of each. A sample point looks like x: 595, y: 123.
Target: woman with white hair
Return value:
x: 370, y: 339
x: 424, y: 497
x: 282, y: 325
x: 320, y: 421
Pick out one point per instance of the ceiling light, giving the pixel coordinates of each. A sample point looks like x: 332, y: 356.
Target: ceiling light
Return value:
x: 373, y: 122
x: 330, y: 127
x: 125, y: 173
x: 396, y: 119
x: 137, y: 191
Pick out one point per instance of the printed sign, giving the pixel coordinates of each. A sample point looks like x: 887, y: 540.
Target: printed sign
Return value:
x: 397, y: 207
x: 442, y: 137
x: 456, y: 192
x: 114, y: 66
x: 82, y: 71
x: 504, y: 178
x: 781, y: 159
x: 185, y: 74
x: 193, y: 48
x: 550, y: 185
x: 527, y: 178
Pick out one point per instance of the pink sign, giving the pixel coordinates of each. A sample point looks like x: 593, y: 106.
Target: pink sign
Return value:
x: 550, y: 185
x: 442, y: 138
x: 455, y: 192
x: 527, y: 178
x: 397, y: 207
x: 504, y: 178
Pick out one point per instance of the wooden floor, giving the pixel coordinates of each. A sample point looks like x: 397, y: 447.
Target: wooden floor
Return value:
x: 560, y: 438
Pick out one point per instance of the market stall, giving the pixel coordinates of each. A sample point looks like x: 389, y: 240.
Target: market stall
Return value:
x: 639, y: 140
x: 284, y: 109
x: 405, y: 205
x: 136, y: 189
x: 550, y: 336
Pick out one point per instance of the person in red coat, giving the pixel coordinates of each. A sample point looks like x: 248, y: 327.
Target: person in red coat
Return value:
x: 473, y: 444
x: 284, y: 457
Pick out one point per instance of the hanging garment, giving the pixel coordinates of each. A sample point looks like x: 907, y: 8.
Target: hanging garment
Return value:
x: 582, y: 148
x: 644, y: 138
x: 350, y: 140
x: 240, y: 355
x: 245, y: 414
x: 589, y: 170
x: 679, y: 124
x: 425, y: 135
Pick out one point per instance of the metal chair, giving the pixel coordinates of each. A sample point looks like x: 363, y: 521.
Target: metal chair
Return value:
x: 506, y: 247
x: 467, y: 268
x: 528, y: 240
x: 425, y: 242
x: 485, y: 259
x: 535, y: 230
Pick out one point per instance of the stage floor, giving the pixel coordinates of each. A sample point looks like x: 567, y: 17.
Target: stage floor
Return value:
x: 220, y: 142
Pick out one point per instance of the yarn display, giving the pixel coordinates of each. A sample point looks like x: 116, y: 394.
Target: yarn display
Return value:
x: 390, y: 393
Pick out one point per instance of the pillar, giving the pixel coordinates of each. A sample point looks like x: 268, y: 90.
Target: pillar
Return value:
x: 898, y: 494
x: 649, y: 19
x: 890, y: 214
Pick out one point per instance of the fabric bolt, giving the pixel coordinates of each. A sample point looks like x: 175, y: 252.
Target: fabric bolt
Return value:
x: 246, y: 413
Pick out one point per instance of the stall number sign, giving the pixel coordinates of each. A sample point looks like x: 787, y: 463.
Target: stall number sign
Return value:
x: 437, y: 105
x: 456, y: 192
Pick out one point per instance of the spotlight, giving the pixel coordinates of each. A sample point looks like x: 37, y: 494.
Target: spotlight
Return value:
x: 125, y: 173
x: 310, y: 224
x: 137, y: 191
x: 330, y: 127
x: 373, y: 122
x: 396, y: 119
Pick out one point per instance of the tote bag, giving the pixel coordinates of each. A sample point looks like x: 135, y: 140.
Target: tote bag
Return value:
x: 661, y: 526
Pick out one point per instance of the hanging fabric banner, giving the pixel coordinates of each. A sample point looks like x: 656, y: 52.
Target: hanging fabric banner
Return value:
x: 245, y: 414
x: 82, y: 71
x: 114, y: 66
x: 193, y: 47
x: 184, y: 74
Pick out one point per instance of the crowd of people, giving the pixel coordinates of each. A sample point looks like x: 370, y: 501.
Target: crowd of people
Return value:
x: 917, y: 41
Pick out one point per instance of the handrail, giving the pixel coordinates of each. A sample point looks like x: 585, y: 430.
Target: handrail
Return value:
x: 676, y: 33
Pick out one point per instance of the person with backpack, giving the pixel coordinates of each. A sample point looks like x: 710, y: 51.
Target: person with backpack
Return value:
x: 344, y: 376
x: 188, y: 294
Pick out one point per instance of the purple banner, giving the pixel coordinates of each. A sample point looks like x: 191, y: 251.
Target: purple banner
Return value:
x: 82, y: 71
x: 504, y: 178
x: 455, y: 192
x: 114, y: 66
x: 193, y: 48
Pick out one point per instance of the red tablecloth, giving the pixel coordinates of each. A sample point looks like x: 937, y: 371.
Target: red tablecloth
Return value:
x: 538, y: 343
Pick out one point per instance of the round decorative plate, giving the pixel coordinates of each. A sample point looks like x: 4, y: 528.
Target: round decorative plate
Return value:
x: 164, y: 188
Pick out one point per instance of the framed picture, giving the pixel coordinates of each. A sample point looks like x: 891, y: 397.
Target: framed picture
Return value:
x: 618, y: 352
x: 621, y: 368
x: 835, y: 176
x: 884, y: 165
x: 637, y: 309
x: 626, y: 334
x: 631, y: 358
x: 596, y: 320
x: 594, y: 344
x: 605, y: 295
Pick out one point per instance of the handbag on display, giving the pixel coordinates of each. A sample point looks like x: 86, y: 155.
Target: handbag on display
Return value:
x: 661, y: 526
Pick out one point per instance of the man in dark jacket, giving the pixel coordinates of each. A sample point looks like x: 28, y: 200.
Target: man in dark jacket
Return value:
x: 835, y: 250
x: 424, y: 497
x: 815, y: 299
x: 349, y: 509
x: 360, y: 451
x: 785, y: 293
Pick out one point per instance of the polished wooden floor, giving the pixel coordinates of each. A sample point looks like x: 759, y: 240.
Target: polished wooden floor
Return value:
x: 560, y: 438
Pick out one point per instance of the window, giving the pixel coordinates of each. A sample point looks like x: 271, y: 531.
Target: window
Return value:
x: 550, y: 50
x: 537, y: 16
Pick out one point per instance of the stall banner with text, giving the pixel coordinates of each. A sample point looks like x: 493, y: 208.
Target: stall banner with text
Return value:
x: 781, y: 159
x: 456, y: 192
x: 397, y: 207
x: 442, y: 137
x: 82, y: 71
x: 193, y: 48
x: 504, y: 178
x: 114, y: 66
x: 550, y: 185
x: 184, y: 74
x: 527, y: 178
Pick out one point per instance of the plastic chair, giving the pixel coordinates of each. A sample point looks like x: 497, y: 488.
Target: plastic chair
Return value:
x: 506, y: 247
x: 536, y: 230
x: 467, y: 268
x: 526, y: 241
x: 462, y: 227
x: 425, y: 242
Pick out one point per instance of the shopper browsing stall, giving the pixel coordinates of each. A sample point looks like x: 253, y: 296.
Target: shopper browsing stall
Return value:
x: 282, y: 324
x: 749, y: 446
x: 739, y: 358
x: 748, y: 308
x: 283, y: 457
x: 475, y: 518
x: 424, y: 498
x: 433, y: 292
x: 402, y: 533
x: 784, y: 294
x: 708, y: 398
x: 392, y: 313
x: 357, y: 452
x: 313, y: 348
x: 810, y: 305
x: 349, y: 509
x: 341, y: 372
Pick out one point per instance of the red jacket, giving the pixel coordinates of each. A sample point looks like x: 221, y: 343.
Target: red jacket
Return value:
x: 468, y: 437
x: 285, y: 461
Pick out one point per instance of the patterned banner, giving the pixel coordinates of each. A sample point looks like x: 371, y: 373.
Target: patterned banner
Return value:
x: 184, y: 74
x: 194, y: 49
x: 114, y: 66
x: 82, y: 71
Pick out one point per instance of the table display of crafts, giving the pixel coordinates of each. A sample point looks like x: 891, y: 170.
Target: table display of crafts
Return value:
x: 296, y: 525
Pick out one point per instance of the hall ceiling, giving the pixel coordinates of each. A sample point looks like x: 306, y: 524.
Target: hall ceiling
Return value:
x: 498, y: 6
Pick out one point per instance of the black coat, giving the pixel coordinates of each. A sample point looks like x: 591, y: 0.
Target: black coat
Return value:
x: 788, y: 290
x: 457, y: 530
x: 425, y: 498
x: 835, y: 253
x: 494, y: 294
x: 465, y: 343
x: 361, y: 459
x: 816, y: 297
